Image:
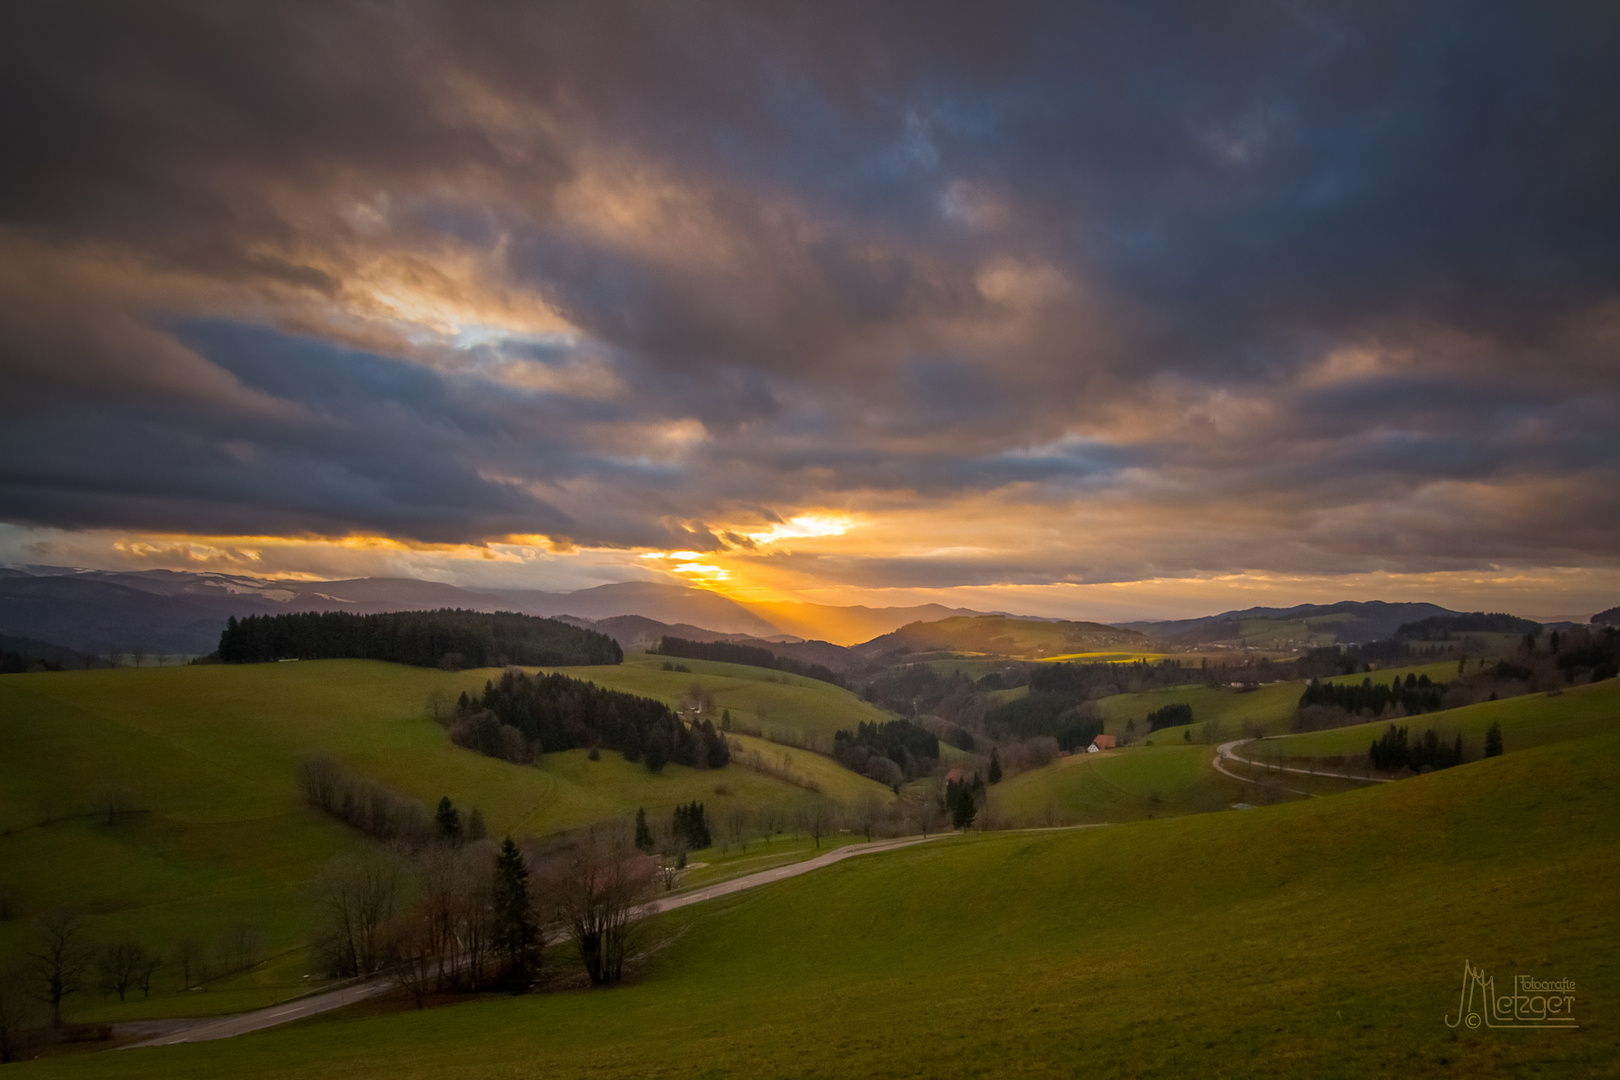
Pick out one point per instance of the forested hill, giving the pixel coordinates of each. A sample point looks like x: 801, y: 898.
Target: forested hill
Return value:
x: 444, y: 638
x: 731, y: 653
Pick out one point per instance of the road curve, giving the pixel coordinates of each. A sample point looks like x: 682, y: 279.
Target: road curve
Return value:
x: 225, y: 1027
x: 1225, y: 750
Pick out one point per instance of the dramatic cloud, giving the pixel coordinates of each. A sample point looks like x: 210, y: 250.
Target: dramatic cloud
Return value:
x: 1026, y: 296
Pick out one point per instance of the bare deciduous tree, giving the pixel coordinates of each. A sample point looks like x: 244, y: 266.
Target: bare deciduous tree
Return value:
x: 601, y: 882
x: 815, y: 819
x: 357, y: 896
x: 123, y: 966
x: 321, y: 776
x: 737, y: 827
x: 57, y: 959
x: 186, y: 957
x: 866, y: 814
x: 924, y: 809
x: 20, y: 1016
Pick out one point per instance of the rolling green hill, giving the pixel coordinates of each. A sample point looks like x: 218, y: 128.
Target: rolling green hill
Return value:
x: 998, y: 635
x: 1322, y: 938
x: 788, y: 708
x: 208, y: 757
x: 1224, y: 712
x: 1531, y: 720
x: 1121, y: 785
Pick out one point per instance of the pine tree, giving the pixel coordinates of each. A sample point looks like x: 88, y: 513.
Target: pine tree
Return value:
x: 962, y: 805
x: 644, y: 838
x: 700, y: 829
x: 1493, y: 741
x: 995, y: 767
x: 515, y: 934
x: 657, y: 755
x: 449, y: 822
x: 691, y: 826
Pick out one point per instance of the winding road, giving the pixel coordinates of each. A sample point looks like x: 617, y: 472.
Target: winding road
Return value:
x: 224, y: 1027
x: 1226, y: 752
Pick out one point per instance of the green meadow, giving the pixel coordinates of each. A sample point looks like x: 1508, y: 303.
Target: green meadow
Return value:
x: 778, y: 705
x: 1321, y: 938
x: 1530, y: 720
x: 220, y: 835
x: 1225, y: 712
x: 1119, y: 785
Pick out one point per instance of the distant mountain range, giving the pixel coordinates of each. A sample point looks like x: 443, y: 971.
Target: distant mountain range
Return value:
x: 166, y: 611
x: 1001, y: 635
x: 1343, y: 623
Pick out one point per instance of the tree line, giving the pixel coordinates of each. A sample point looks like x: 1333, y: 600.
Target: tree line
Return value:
x: 1173, y: 715
x: 479, y: 916
x: 60, y: 959
x: 1445, y: 627
x: 1416, y: 694
x: 1393, y: 751
x: 448, y: 638
x: 527, y: 714
x: 1072, y: 723
x: 728, y: 652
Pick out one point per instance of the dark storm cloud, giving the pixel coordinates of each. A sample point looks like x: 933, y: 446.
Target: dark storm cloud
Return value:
x: 873, y: 251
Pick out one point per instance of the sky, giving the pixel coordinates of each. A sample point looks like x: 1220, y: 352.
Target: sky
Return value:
x: 1104, y: 310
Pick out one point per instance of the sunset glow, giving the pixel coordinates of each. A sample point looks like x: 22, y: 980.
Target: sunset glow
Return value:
x: 514, y: 329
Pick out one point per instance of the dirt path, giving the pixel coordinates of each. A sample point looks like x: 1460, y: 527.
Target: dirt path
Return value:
x: 224, y: 1027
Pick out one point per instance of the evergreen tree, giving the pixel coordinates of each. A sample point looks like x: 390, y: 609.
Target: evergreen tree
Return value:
x: 449, y: 821
x: 1493, y: 741
x: 657, y: 755
x: 690, y: 825
x: 962, y: 805
x: 995, y: 767
x: 516, y: 936
x: 475, y: 825
x: 644, y: 837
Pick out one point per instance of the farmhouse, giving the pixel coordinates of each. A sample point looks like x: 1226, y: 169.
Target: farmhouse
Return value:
x: 1101, y: 742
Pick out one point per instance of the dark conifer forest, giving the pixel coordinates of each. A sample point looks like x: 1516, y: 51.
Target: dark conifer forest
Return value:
x: 553, y: 712
x: 449, y: 638
x: 728, y: 652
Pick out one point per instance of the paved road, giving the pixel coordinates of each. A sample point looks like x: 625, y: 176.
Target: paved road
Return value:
x: 1225, y: 750
x: 780, y: 873
x: 182, y: 1031
x: 225, y: 1026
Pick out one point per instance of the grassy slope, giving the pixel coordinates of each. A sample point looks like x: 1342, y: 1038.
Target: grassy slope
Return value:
x: 1322, y: 938
x: 790, y: 707
x: 1225, y: 713
x: 1221, y: 709
x: 210, y: 754
x: 998, y: 635
x: 1120, y: 785
x: 1531, y: 720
